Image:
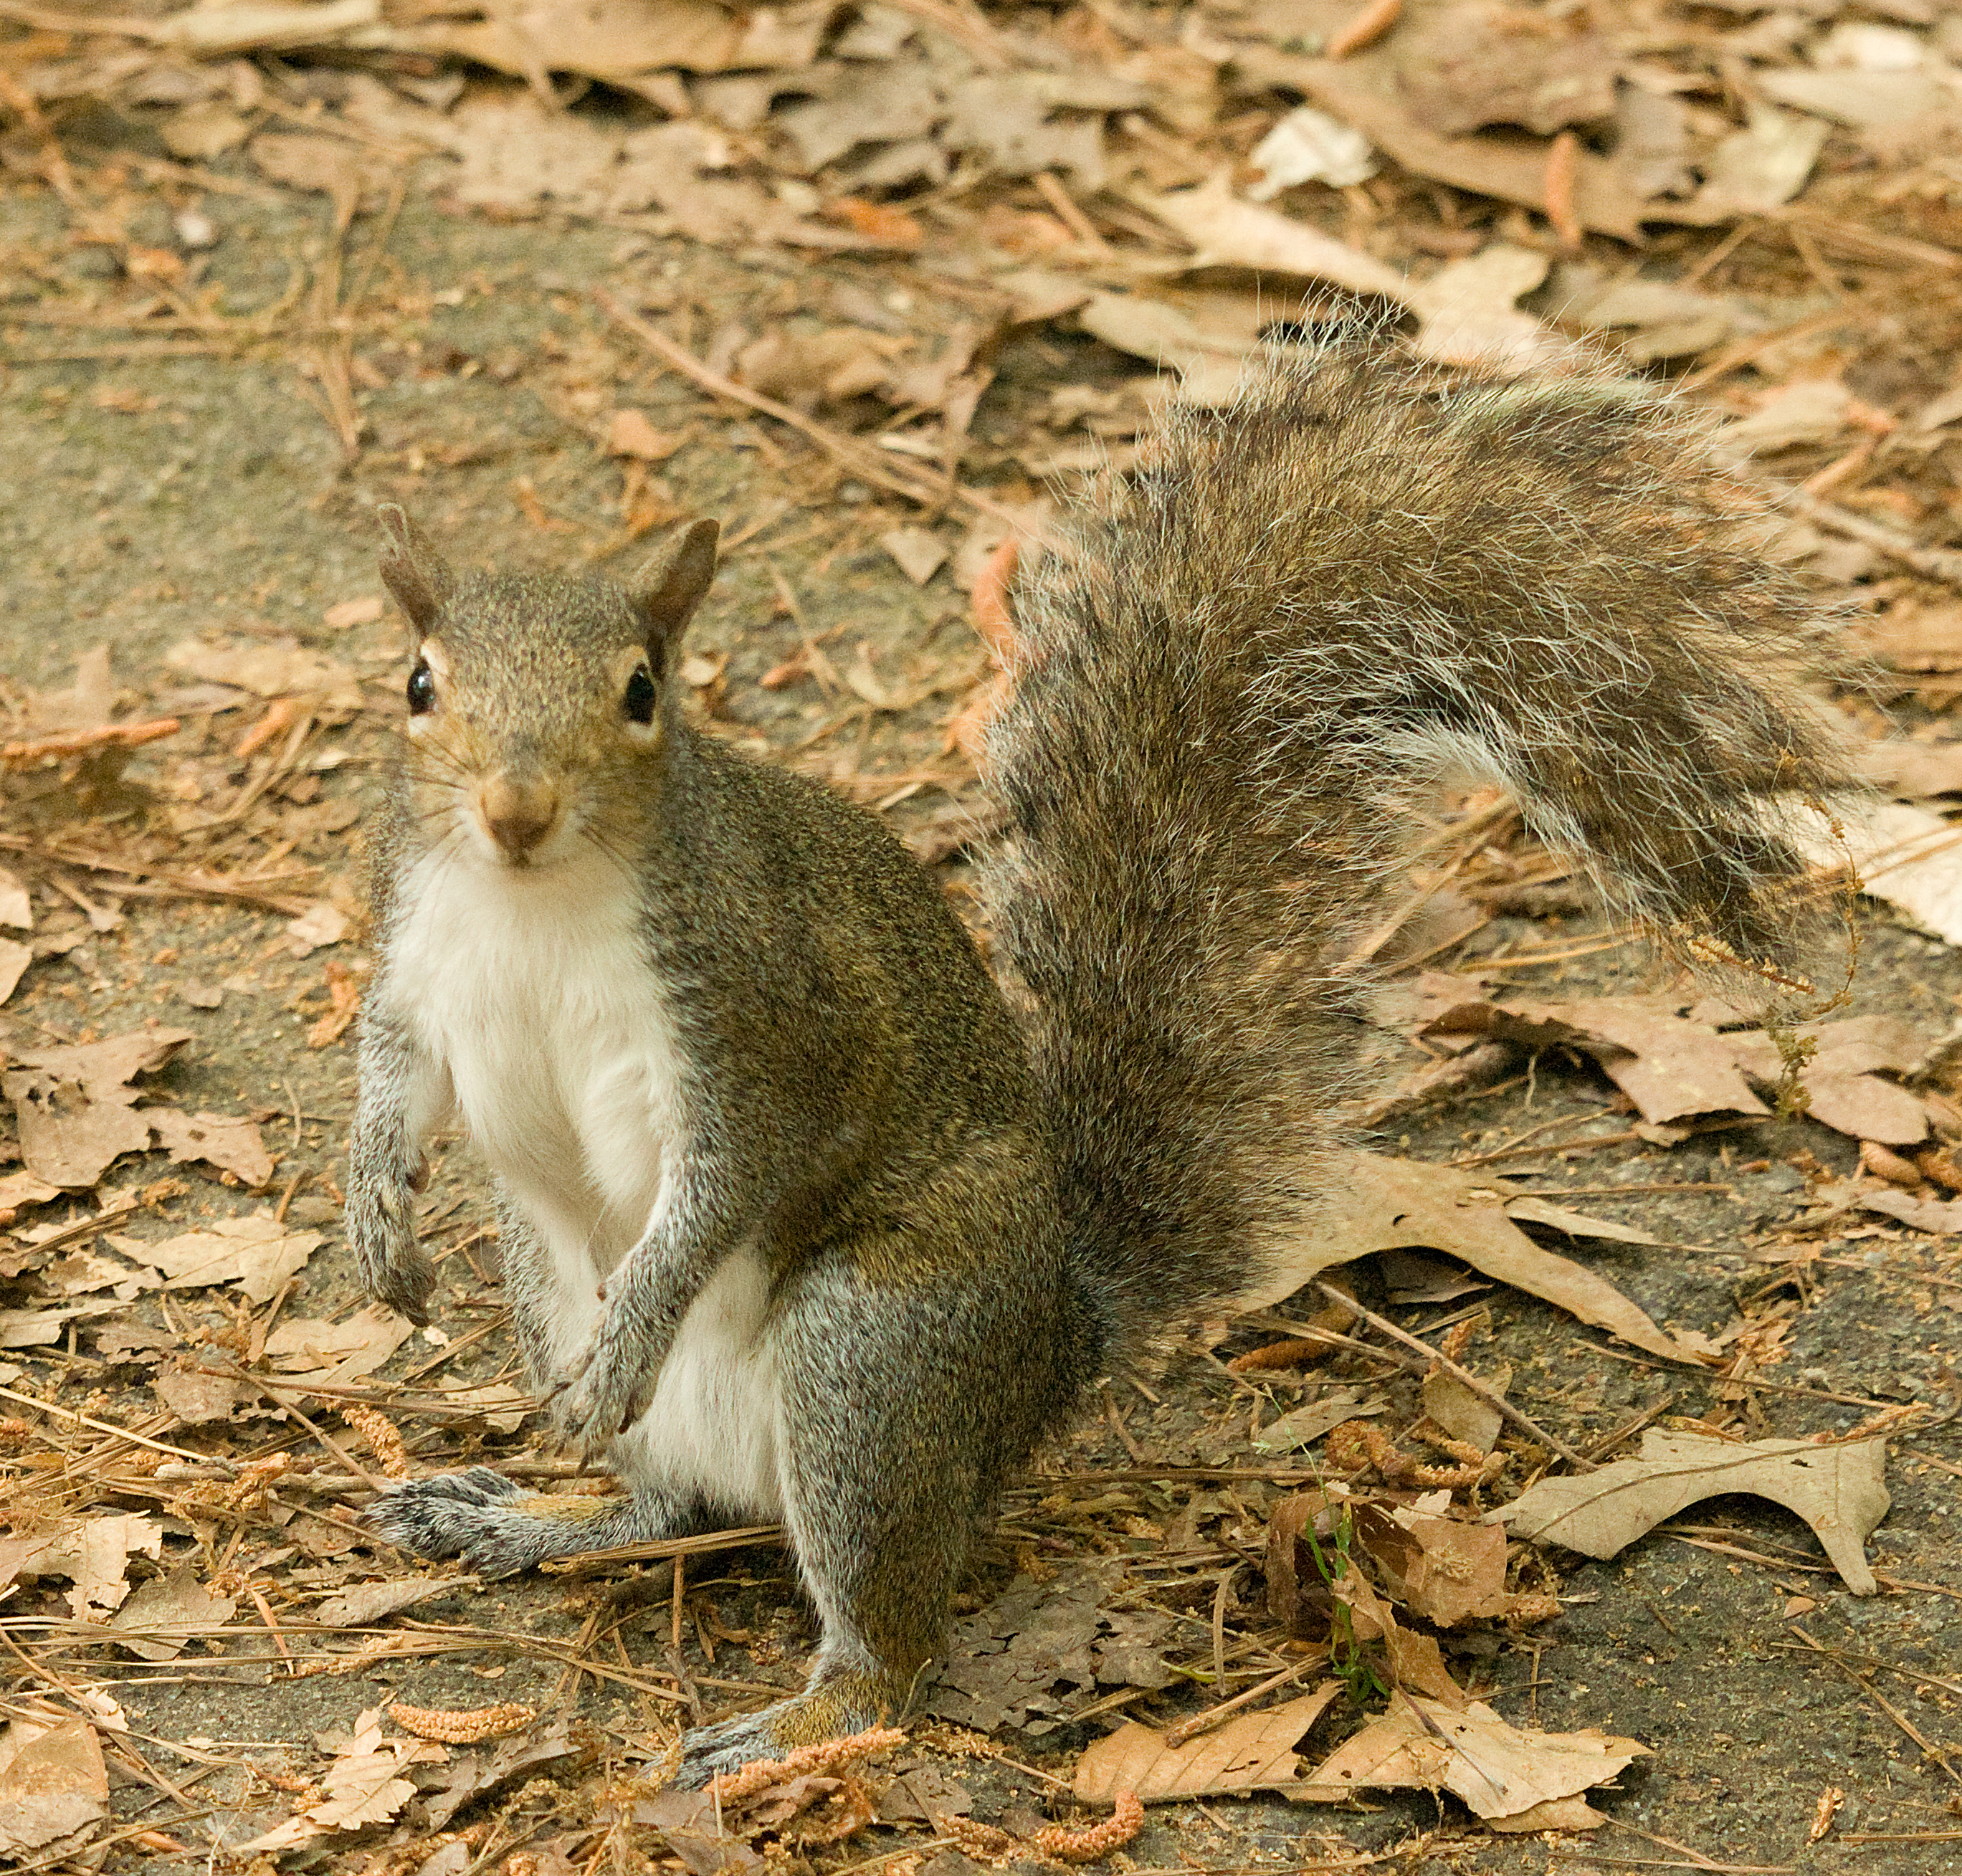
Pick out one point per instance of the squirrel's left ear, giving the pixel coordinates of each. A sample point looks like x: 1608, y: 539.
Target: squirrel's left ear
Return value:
x: 671, y: 586
x: 412, y: 570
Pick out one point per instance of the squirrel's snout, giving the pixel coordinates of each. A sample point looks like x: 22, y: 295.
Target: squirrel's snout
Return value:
x: 517, y: 815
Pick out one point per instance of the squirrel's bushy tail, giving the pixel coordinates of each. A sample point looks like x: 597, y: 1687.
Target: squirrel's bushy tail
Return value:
x: 1299, y: 605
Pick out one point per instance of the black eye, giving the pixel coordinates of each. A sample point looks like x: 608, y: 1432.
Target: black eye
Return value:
x: 639, y: 701
x: 422, y: 691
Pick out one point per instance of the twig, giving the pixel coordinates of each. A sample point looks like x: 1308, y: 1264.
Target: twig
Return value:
x: 1531, y: 1428
x: 1205, y: 1722
x: 76, y: 742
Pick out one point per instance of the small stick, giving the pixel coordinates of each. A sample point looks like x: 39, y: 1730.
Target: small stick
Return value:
x: 74, y: 742
x: 1205, y: 1722
x: 1563, y: 176
x: 1531, y: 1428
x: 1365, y: 28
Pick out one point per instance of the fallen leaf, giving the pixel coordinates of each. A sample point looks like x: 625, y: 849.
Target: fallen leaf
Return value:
x: 1308, y: 146
x: 365, y: 611
x: 1307, y: 1424
x: 1472, y: 65
x: 53, y: 1784
x: 255, y: 1252
x: 283, y: 668
x: 74, y: 1106
x: 1499, y: 1770
x: 1372, y: 1202
x: 1912, y: 770
x: 343, y: 1351
x: 1838, y: 1490
x: 917, y: 553
x: 16, y: 907
x: 228, y: 1142
x: 167, y: 1612
x: 1460, y: 1412
x: 470, y: 1776
x: 1360, y: 94
x: 19, y: 1190
x: 1906, y: 856
x: 321, y: 924
x: 196, y: 1396
x: 1757, y: 168
x: 628, y: 434
x: 1250, y: 1751
x: 92, y: 1555
x: 368, y: 1603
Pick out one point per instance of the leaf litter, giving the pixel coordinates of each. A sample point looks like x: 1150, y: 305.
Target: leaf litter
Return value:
x: 1104, y: 177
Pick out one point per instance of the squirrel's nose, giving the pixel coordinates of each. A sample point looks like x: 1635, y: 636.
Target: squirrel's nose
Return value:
x: 517, y: 813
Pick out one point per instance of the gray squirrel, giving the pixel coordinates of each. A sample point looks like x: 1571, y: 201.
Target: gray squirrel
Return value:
x: 805, y: 1215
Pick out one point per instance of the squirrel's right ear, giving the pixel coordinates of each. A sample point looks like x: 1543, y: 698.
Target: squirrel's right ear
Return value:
x: 412, y: 570
x: 671, y: 586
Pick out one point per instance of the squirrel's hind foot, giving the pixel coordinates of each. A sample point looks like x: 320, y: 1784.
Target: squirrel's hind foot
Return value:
x: 834, y: 1709
x: 498, y: 1529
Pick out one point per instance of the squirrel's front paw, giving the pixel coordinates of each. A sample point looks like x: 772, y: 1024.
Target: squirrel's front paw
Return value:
x: 594, y: 1406
x: 394, y: 1268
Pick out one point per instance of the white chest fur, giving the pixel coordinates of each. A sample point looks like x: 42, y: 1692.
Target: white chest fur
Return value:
x: 535, y: 991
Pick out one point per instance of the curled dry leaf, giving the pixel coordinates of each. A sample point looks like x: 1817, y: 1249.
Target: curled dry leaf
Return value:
x: 1838, y: 1490
x: 1499, y: 1770
x: 1376, y: 1203
x: 1252, y: 1752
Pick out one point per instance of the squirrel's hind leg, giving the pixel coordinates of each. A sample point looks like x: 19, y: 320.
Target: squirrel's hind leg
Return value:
x: 882, y: 1503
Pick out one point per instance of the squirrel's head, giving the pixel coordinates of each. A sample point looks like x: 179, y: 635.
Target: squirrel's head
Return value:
x: 527, y: 695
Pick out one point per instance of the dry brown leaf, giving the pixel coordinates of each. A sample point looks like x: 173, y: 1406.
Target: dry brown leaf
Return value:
x: 1375, y: 1203
x: 196, y: 1396
x: 1838, y: 1490
x: 53, y: 1784
x: 167, y: 1612
x: 14, y: 959
x: 283, y: 668
x: 16, y: 907
x: 1472, y: 65
x: 1912, y: 770
x: 1906, y: 856
x: 19, y: 1190
x: 1307, y: 1424
x: 628, y: 434
x: 1668, y: 1066
x: 368, y: 1603
x: 255, y: 1252
x: 92, y: 1555
x: 1448, y: 1571
x: 228, y: 1142
x: 343, y: 1351
x: 74, y: 1106
x: 1464, y: 1415
x: 1499, y: 1770
x: 1250, y: 1751
x: 1359, y: 92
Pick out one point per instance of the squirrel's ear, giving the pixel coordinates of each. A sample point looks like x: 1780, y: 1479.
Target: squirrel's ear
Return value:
x: 671, y: 586
x: 412, y: 570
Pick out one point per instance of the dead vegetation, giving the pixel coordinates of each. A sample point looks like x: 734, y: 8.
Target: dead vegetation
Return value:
x: 987, y: 244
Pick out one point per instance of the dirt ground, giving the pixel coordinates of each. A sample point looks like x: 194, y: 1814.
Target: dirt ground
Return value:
x: 209, y: 496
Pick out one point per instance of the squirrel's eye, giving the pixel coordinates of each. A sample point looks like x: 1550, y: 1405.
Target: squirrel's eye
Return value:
x: 422, y: 691
x: 639, y: 701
